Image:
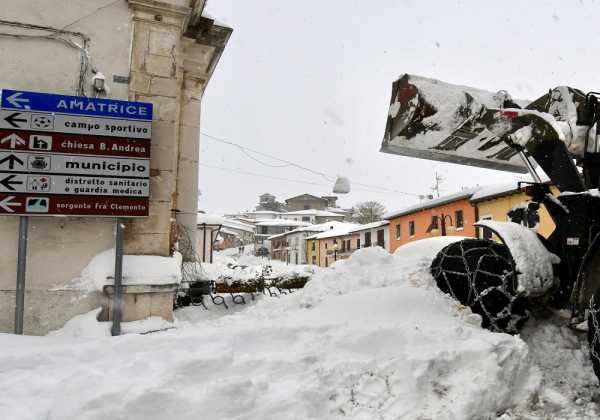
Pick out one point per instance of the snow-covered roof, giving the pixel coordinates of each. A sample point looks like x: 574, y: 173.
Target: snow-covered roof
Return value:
x: 466, y: 193
x: 321, y: 227
x: 492, y: 191
x: 373, y: 225
x: 209, y: 219
x: 229, y: 232
x: 312, y: 212
x: 280, y: 222
x: 341, y: 230
x: 246, y: 220
x: 236, y: 224
x: 338, y: 210
x: 264, y: 212
x: 305, y: 195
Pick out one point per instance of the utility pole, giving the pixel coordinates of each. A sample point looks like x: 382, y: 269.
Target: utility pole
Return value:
x: 436, y: 187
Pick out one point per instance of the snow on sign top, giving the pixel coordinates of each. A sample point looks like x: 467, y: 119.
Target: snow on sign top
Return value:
x: 80, y: 105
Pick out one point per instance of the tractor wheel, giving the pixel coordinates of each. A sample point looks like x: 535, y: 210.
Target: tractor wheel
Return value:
x: 594, y: 332
x: 480, y: 274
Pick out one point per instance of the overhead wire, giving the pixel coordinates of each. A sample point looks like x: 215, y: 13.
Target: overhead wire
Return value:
x: 288, y: 163
x: 244, y: 172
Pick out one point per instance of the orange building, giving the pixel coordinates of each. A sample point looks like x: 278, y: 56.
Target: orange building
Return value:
x: 454, y: 214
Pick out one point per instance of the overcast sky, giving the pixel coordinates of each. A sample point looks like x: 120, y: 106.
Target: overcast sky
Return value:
x: 310, y: 81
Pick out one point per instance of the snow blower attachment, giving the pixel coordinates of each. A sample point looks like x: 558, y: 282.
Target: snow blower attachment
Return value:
x: 430, y: 119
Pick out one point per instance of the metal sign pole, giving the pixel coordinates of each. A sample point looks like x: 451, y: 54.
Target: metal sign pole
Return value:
x: 118, y: 292
x: 21, y: 269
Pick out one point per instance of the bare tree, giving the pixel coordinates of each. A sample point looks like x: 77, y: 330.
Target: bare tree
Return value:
x: 368, y: 212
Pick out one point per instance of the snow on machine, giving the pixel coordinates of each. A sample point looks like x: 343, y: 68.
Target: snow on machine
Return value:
x: 500, y: 281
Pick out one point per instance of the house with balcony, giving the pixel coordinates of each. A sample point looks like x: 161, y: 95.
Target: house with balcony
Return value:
x: 265, y: 228
x: 313, y: 216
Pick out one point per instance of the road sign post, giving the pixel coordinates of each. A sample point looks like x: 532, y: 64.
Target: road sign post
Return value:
x: 66, y: 155
x: 117, y: 314
x: 21, y: 271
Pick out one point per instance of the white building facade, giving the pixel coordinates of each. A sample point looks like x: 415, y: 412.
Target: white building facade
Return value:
x: 374, y: 234
x: 312, y: 216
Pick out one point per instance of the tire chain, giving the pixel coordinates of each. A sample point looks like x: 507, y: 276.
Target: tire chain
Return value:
x: 513, y: 313
x: 594, y: 334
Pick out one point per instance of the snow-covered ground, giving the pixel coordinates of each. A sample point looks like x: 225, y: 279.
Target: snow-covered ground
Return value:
x: 233, y: 267
x: 369, y: 338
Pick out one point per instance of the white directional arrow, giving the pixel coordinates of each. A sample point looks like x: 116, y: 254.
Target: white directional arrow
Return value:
x: 15, y: 100
x: 7, y: 203
x: 13, y: 139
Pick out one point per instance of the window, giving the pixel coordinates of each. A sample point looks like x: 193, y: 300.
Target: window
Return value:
x: 325, y: 245
x: 411, y: 228
x: 343, y: 246
x: 398, y: 231
x: 434, y: 223
x: 367, y: 239
x: 306, y: 218
x: 312, y: 247
x: 358, y: 243
x: 314, y: 259
x: 263, y: 230
x: 306, y: 207
x: 381, y: 238
x: 459, y: 219
x: 348, y: 246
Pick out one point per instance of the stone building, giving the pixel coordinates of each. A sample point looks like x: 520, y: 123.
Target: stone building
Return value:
x: 310, y: 202
x: 158, y: 51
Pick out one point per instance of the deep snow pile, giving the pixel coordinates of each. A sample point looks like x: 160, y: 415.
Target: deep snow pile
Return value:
x: 370, y: 338
x: 569, y: 388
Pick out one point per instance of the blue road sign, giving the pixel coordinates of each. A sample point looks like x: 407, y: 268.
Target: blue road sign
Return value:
x: 80, y: 105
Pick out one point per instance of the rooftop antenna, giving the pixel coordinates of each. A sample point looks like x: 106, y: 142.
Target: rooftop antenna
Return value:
x: 438, y: 181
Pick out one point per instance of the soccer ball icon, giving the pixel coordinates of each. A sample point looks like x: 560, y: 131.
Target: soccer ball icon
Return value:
x: 42, y: 121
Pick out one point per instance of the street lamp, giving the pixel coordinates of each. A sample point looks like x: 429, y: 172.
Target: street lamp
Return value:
x: 335, y: 247
x: 442, y: 218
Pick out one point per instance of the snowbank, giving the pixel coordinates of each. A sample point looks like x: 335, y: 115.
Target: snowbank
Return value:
x: 368, y: 339
x: 137, y: 269
x: 87, y: 326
